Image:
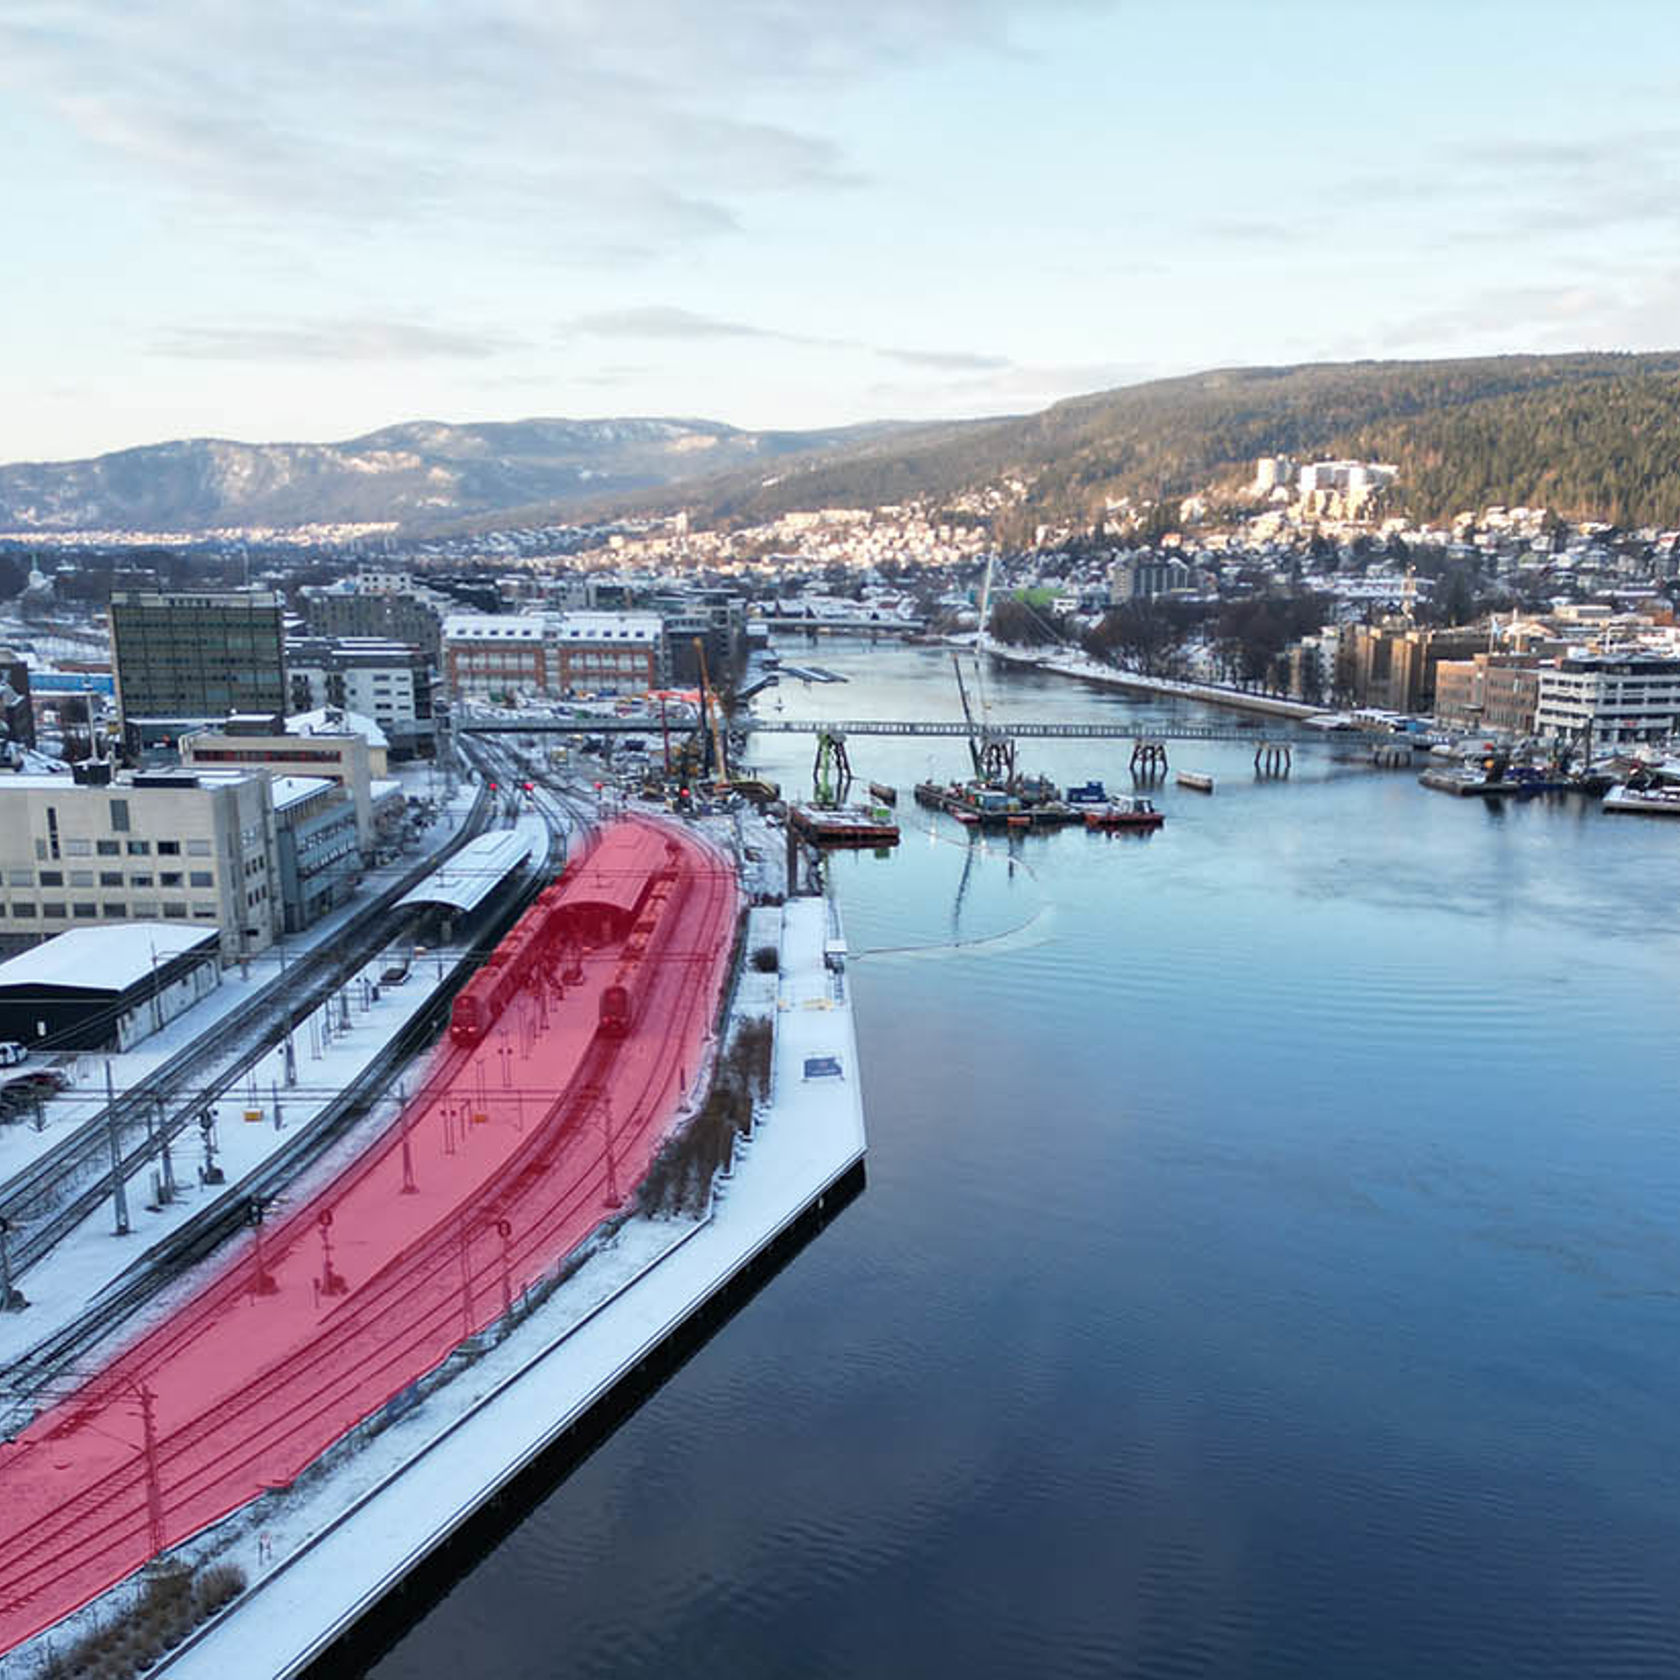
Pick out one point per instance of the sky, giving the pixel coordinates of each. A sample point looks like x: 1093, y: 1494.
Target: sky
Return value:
x: 307, y: 220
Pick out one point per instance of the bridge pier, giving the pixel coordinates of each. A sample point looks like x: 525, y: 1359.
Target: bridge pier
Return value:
x: 1149, y: 759
x: 1273, y: 759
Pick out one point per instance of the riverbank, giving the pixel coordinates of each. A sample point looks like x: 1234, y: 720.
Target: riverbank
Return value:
x: 643, y: 1284
x: 1071, y: 663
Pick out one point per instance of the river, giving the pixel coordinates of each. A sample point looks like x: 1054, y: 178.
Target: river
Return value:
x: 1270, y: 1264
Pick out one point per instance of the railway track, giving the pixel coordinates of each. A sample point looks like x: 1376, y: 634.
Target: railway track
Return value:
x: 72, y: 1344
x: 449, y: 1281
x: 66, y: 1183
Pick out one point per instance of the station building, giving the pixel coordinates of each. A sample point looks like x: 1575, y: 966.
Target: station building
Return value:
x: 106, y: 988
x: 317, y: 856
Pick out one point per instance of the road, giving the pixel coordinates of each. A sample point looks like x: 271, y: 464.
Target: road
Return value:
x: 495, y: 1171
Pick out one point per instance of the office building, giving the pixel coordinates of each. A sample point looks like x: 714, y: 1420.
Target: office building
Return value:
x: 186, y: 660
x: 1611, y: 699
x: 390, y: 682
x: 174, y: 846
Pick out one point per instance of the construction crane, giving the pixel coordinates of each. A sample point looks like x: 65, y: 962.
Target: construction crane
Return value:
x: 711, y: 714
x: 831, y: 775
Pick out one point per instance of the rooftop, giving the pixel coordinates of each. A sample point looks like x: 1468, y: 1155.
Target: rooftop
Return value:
x: 291, y: 790
x: 104, y: 959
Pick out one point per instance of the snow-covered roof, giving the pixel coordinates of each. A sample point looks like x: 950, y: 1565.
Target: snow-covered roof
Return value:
x: 104, y: 959
x: 501, y: 627
x: 290, y: 790
x: 610, y: 627
x: 333, y: 720
x: 478, y: 868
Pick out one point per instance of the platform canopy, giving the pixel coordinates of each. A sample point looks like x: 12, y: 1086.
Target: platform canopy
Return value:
x: 476, y: 870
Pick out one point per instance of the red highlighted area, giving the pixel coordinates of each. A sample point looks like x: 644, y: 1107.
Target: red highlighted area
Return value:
x: 563, y: 1070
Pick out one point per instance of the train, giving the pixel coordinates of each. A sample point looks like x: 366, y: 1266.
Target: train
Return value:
x: 535, y: 943
x: 614, y: 1021
x: 547, y: 940
x: 618, y: 998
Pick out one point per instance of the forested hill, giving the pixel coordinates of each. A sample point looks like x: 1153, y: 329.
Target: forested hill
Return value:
x: 1591, y: 436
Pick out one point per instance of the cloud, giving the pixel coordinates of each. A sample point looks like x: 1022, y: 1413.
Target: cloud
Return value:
x: 947, y: 361
x: 659, y: 321
x: 1633, y: 310
x: 1523, y: 188
x: 621, y: 126
x: 332, y: 341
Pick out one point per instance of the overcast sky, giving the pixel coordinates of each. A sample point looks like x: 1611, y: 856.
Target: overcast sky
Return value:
x: 312, y: 218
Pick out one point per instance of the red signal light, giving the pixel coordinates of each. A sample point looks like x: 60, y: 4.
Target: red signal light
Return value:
x: 494, y: 786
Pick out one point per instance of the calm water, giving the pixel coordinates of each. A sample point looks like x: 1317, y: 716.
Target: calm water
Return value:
x: 1270, y: 1264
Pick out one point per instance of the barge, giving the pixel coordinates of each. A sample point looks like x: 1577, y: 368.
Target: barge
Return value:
x: 844, y: 825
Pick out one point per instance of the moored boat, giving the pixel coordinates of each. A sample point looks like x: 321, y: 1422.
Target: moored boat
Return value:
x: 1197, y: 780
x: 1644, y: 802
x: 1125, y: 811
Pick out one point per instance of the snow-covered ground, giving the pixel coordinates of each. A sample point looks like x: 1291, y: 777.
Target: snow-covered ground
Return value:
x: 321, y: 1554
x: 1071, y: 662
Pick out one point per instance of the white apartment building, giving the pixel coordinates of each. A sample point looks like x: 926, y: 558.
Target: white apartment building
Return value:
x: 1624, y: 698
x: 176, y: 846
x: 369, y: 676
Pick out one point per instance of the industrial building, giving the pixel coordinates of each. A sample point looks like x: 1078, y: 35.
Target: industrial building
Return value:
x: 553, y: 654
x: 106, y: 988
x: 186, y: 660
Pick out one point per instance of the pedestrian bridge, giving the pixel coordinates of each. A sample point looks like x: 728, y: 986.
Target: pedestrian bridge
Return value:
x: 1249, y: 729
x: 1246, y: 729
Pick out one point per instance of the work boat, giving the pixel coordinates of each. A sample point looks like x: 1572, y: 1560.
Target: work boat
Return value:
x: 1125, y: 811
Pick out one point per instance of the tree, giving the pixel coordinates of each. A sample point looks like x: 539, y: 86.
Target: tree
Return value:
x: 1017, y: 625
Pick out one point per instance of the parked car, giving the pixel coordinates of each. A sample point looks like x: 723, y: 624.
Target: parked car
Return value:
x: 48, y: 1082
x: 12, y: 1053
